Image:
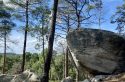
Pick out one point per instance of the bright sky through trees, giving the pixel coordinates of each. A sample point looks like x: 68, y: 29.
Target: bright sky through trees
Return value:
x: 109, y: 9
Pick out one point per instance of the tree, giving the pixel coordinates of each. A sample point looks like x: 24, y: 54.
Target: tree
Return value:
x: 24, y: 11
x: 99, y: 8
x: 40, y: 30
x: 61, y: 44
x: 119, y: 18
x: 64, y: 25
x: 50, y: 43
x: 80, y: 8
x: 25, y: 36
x: 22, y: 5
x: 69, y: 12
x: 98, y: 17
x: 5, y: 28
x: 65, y: 14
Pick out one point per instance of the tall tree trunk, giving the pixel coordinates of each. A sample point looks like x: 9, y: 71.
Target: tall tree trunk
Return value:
x: 66, y: 55
x: 50, y: 44
x: 63, y: 64
x: 25, y: 38
x: 4, y: 63
x: 43, y: 37
x: 66, y: 63
x: 99, y: 20
x: 78, y: 21
x: 78, y: 26
x: 43, y: 50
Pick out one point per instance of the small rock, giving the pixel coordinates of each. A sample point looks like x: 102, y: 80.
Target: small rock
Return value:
x: 67, y: 79
x: 26, y: 76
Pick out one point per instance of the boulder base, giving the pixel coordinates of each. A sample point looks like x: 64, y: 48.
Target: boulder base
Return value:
x: 107, y: 78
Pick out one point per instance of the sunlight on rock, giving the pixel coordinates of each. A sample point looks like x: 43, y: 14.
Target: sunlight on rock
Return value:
x: 26, y: 76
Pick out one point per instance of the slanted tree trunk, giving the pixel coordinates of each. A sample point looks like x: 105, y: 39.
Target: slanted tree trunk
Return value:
x: 77, y: 75
x: 4, y: 62
x: 76, y: 68
x: 25, y: 38
x: 50, y: 44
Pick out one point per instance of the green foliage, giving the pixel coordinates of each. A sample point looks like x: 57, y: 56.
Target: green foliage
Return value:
x: 10, y: 60
x: 119, y: 18
x: 4, y: 14
x: 34, y: 61
x: 38, y: 13
x: 57, y: 67
x: 6, y: 24
x: 90, y: 7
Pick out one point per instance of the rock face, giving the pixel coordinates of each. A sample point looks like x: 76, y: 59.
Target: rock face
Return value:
x: 107, y: 78
x: 98, y: 51
x: 26, y: 76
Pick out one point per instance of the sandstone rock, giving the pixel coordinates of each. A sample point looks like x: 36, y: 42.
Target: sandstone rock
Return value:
x: 26, y: 76
x: 97, y: 51
x: 5, y: 78
x: 86, y: 80
x: 107, y: 78
x: 67, y: 79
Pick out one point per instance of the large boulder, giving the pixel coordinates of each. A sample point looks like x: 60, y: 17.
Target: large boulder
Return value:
x: 97, y: 51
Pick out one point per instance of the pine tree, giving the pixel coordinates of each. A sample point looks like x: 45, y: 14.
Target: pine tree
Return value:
x: 6, y: 26
x: 50, y: 43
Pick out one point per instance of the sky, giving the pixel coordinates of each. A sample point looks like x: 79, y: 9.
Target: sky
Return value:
x: 109, y: 8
